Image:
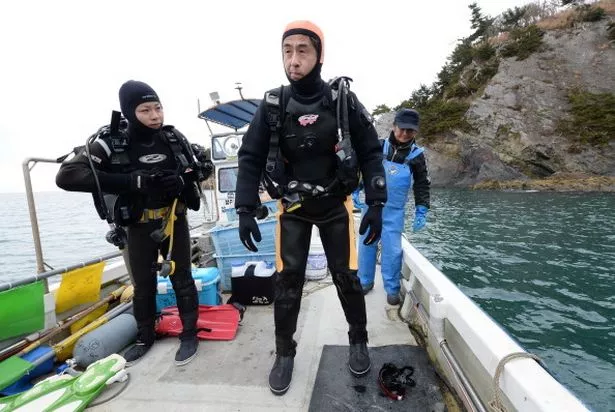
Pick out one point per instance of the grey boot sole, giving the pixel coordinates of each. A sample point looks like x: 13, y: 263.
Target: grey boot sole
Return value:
x: 186, y: 361
x: 279, y: 392
x: 359, y: 374
x: 134, y: 362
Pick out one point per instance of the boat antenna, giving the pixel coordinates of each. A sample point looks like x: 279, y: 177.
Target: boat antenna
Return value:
x: 239, y: 89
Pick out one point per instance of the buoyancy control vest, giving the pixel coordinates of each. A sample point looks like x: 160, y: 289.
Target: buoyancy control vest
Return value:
x: 125, y: 209
x: 310, y: 151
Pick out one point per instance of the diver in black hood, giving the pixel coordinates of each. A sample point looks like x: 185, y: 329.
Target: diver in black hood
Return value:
x: 150, y: 168
x: 293, y: 142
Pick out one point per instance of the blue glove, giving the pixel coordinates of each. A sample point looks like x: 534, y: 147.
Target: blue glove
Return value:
x: 420, y: 218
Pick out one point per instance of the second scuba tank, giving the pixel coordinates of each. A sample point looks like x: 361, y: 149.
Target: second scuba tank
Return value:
x: 105, y: 340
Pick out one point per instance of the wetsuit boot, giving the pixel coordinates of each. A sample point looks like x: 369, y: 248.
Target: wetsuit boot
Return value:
x: 188, y: 341
x: 187, y: 303
x: 144, y: 309
x: 359, y: 362
x: 282, y: 371
x: 145, y: 340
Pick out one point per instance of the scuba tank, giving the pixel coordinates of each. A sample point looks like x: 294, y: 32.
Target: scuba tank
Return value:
x: 105, y: 340
x: 109, y: 206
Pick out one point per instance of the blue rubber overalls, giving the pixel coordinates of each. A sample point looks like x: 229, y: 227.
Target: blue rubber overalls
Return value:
x: 399, y: 184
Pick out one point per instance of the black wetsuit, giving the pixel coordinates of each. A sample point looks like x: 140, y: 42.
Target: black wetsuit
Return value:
x: 148, y: 151
x: 307, y: 142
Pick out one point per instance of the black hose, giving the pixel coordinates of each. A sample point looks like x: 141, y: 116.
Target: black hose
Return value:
x: 105, y: 211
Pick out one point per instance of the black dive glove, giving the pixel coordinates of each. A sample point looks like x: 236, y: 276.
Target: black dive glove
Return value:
x: 141, y: 182
x: 373, y: 220
x: 248, y: 228
x: 170, y: 184
x: 156, y: 183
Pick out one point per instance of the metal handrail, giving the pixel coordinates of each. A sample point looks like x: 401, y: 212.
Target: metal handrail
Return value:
x: 46, y: 275
x: 27, y: 166
x: 40, y: 263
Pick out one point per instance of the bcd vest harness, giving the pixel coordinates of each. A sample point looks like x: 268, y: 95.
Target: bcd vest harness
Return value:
x: 124, y: 210
x: 284, y: 178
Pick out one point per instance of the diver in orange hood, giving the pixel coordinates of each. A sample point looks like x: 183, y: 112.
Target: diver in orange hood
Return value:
x: 309, y: 141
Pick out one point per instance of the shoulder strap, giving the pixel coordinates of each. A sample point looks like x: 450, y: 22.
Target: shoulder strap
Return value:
x: 177, y: 145
x: 339, y: 91
x: 274, y: 100
x: 414, y: 152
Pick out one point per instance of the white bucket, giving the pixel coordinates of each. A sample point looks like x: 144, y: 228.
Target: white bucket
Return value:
x: 316, y: 268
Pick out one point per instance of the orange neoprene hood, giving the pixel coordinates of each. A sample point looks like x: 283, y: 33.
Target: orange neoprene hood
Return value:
x: 309, y: 29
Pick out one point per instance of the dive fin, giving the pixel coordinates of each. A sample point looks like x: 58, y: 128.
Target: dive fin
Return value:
x: 218, y: 322
x: 68, y: 393
x: 40, y: 397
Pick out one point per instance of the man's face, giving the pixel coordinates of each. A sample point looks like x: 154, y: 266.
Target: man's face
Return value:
x: 150, y: 114
x: 403, y: 135
x: 300, y: 56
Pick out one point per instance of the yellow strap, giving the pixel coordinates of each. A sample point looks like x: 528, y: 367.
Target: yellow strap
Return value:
x: 153, y: 214
x: 169, y: 228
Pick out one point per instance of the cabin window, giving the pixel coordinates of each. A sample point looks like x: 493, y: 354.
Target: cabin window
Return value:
x: 227, y: 179
x: 225, y: 146
x: 217, y: 152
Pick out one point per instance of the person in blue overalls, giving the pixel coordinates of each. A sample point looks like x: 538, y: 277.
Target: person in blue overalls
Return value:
x: 405, y: 168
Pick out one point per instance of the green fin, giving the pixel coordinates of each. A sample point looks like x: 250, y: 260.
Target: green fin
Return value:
x: 88, y: 385
x: 68, y: 392
x: 39, y: 396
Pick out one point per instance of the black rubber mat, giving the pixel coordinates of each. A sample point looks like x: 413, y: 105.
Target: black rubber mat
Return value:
x: 336, y: 389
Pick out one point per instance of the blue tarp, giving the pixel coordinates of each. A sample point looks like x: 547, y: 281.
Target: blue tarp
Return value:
x: 234, y: 114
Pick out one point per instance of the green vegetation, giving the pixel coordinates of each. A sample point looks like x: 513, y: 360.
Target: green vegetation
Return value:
x: 517, y: 32
x: 592, y: 117
x: 590, y: 13
x: 523, y: 42
x: 380, y: 109
x: 473, y: 62
x: 440, y: 116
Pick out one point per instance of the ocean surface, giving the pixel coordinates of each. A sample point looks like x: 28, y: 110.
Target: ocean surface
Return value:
x: 541, y: 264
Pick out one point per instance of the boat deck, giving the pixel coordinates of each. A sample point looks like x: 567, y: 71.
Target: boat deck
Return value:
x: 233, y: 375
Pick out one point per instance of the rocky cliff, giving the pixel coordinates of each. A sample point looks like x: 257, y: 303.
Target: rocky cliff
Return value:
x: 516, y: 137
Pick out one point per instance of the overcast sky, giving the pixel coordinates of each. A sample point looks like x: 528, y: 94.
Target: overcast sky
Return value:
x: 62, y: 62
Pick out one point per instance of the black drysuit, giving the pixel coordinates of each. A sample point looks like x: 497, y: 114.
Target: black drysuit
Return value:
x: 148, y: 152
x: 307, y: 142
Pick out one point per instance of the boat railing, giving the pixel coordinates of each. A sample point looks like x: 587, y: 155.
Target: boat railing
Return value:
x: 477, y: 356
x: 44, y: 270
x: 41, y: 266
x: 46, y: 275
x: 27, y: 166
